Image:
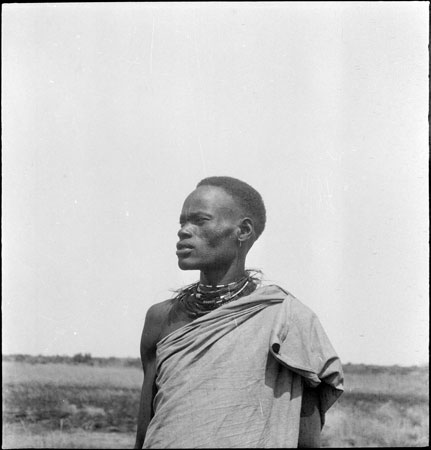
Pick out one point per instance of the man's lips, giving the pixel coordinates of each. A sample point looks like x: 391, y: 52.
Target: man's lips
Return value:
x: 183, y: 249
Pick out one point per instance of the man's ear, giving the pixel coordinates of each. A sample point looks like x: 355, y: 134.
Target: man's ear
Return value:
x: 246, y: 230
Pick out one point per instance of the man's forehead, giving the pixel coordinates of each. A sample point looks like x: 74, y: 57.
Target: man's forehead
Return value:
x: 209, y: 198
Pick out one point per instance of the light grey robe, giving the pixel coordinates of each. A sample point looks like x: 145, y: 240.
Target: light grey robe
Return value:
x: 233, y: 378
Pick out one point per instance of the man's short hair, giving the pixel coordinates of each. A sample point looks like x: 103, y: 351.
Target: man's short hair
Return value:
x: 248, y: 198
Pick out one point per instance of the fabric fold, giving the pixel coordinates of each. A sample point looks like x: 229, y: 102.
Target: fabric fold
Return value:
x: 299, y: 341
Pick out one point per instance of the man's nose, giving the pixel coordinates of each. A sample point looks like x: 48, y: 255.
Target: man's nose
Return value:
x: 184, y: 232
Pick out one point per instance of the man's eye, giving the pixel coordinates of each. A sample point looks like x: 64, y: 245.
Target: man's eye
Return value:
x: 201, y: 220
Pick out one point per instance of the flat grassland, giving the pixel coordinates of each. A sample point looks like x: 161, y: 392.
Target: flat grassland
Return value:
x: 94, y: 405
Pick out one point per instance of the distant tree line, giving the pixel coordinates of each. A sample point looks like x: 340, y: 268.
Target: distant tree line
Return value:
x: 87, y: 359
x: 374, y: 369
x: 78, y: 358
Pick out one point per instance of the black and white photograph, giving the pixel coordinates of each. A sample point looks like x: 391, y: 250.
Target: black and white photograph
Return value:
x: 215, y: 224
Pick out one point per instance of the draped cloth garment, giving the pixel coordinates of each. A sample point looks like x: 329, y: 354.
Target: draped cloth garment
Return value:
x: 233, y: 378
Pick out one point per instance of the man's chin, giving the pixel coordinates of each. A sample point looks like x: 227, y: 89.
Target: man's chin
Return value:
x: 186, y: 265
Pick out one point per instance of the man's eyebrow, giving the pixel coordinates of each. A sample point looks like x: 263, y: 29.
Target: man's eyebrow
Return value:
x: 195, y: 214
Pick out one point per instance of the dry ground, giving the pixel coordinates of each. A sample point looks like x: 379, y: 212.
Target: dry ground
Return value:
x: 83, y: 406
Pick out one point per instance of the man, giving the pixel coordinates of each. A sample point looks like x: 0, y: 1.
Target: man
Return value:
x: 229, y: 362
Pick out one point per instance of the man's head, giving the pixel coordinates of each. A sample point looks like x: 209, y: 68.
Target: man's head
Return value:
x: 220, y: 221
x: 247, y: 198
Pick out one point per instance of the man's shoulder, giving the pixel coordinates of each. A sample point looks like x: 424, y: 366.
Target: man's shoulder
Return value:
x: 159, y: 310
x: 276, y: 291
x: 155, y: 320
x: 291, y: 302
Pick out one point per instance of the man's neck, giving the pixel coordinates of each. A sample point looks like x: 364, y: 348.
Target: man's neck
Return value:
x: 221, y: 277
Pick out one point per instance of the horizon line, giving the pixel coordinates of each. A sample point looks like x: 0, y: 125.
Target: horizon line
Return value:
x: 423, y: 364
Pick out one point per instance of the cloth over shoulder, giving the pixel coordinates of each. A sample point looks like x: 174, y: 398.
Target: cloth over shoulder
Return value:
x: 299, y: 341
x: 233, y: 378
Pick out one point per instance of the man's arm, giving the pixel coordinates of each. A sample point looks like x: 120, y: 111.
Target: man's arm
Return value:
x: 310, y: 423
x: 149, y: 339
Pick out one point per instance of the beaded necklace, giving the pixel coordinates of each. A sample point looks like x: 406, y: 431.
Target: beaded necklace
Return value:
x: 199, y: 299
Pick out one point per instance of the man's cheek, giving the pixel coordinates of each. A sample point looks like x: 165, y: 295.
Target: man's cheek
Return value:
x: 219, y: 237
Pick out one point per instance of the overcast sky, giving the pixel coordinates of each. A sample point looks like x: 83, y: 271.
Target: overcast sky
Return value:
x: 113, y: 112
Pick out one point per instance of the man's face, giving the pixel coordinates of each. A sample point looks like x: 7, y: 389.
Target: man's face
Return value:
x: 209, y: 228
